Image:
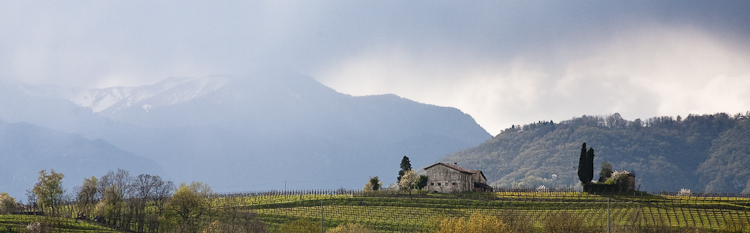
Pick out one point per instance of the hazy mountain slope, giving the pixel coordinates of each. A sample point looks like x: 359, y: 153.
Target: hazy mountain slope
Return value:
x: 26, y: 149
x: 665, y: 153
x: 280, y: 125
x: 255, y: 131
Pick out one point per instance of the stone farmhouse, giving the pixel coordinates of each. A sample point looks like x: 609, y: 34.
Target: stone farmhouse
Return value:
x: 447, y: 178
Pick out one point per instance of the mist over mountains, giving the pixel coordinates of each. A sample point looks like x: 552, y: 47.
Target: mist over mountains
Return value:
x: 252, y: 132
x: 26, y: 149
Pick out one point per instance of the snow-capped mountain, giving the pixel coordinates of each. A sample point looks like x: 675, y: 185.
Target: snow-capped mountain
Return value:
x: 113, y: 99
x: 270, y: 126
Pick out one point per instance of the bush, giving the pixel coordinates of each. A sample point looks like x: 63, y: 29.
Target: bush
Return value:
x: 238, y: 222
x: 477, y: 223
x: 601, y: 187
x: 656, y: 229
x: 350, y: 228
x: 564, y: 222
x: 37, y: 227
x: 301, y: 225
x: 516, y: 221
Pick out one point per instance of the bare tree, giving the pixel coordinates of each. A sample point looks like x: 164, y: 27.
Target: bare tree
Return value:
x: 161, y: 193
x: 147, y: 189
x: 116, y: 187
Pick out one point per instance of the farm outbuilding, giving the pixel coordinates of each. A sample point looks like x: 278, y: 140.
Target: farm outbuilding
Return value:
x: 447, y: 178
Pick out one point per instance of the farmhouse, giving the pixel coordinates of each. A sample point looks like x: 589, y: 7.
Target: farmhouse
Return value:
x: 629, y: 184
x: 446, y: 178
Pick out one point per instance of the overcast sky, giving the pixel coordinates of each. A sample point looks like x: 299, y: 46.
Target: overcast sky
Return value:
x: 504, y: 63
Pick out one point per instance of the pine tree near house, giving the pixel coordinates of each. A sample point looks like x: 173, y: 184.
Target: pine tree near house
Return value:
x: 405, y: 166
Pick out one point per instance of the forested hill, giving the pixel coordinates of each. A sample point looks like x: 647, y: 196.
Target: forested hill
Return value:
x: 704, y: 153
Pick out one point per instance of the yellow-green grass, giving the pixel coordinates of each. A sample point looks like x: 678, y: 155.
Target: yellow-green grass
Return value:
x: 18, y: 223
x: 405, y: 214
x: 390, y: 212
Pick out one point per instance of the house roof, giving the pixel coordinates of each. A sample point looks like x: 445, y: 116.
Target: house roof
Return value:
x: 483, y: 185
x: 457, y: 168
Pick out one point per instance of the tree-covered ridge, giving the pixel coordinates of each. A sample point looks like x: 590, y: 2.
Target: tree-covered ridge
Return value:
x: 705, y: 153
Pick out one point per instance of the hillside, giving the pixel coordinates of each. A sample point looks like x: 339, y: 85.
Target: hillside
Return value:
x: 253, y: 132
x: 26, y: 149
x: 706, y: 153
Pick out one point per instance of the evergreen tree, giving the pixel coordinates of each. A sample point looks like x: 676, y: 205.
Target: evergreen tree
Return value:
x: 590, y: 164
x: 405, y: 166
x: 582, y: 165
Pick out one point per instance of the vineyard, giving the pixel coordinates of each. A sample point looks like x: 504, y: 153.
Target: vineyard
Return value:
x: 525, y: 210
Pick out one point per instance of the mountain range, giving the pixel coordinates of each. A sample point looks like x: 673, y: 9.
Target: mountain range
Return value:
x: 260, y: 131
x: 278, y: 128
x: 703, y: 153
x: 26, y: 149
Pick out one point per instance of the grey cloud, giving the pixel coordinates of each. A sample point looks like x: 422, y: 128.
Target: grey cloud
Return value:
x: 447, y: 46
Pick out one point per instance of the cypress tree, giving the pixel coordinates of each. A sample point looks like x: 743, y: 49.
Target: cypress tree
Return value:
x: 590, y: 164
x: 582, y: 165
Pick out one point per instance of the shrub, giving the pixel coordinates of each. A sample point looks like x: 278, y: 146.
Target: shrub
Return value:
x: 656, y: 229
x: 37, y: 227
x: 564, y: 222
x: 516, y: 221
x: 301, y: 225
x: 350, y: 228
x: 600, y: 187
x: 477, y: 223
x: 237, y: 222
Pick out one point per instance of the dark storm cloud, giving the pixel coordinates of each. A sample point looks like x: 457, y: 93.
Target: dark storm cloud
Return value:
x: 504, y: 63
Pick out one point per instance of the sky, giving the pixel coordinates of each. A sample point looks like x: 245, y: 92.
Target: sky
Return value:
x: 502, y: 62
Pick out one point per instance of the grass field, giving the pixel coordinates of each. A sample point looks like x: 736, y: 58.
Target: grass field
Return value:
x: 18, y: 223
x: 404, y: 213
x: 393, y: 212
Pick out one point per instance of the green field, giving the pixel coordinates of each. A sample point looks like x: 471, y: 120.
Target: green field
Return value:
x: 404, y: 213
x: 393, y: 212
x: 18, y: 223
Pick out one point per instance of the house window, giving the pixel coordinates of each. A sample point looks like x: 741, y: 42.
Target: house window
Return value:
x: 432, y: 184
x: 438, y: 184
x: 454, y: 183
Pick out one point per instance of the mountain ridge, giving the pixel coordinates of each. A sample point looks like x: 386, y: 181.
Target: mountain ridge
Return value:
x: 705, y: 153
x: 26, y: 149
x: 274, y: 121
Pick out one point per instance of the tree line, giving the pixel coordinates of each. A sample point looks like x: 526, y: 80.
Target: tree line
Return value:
x: 142, y: 203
